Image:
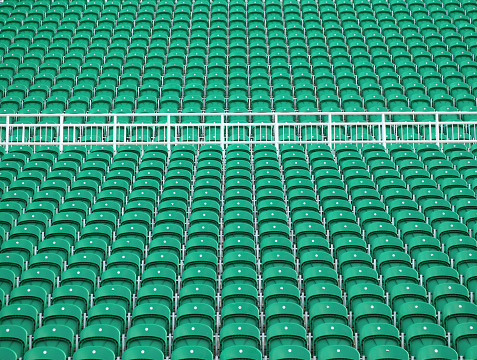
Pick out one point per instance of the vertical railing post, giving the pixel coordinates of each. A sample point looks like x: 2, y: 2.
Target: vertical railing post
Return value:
x: 438, y: 135
x: 329, y: 130
x: 222, y: 132
x: 7, y: 125
x: 62, y: 123
x: 168, y: 132
x: 383, y: 129
x: 75, y: 128
x: 275, y: 130
x: 115, y: 130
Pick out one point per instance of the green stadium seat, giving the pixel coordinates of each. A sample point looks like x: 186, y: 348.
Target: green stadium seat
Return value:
x: 45, y: 352
x: 291, y: 351
x: 419, y: 336
x: 64, y: 314
x: 196, y: 313
x: 384, y: 351
x: 239, y: 334
x: 285, y: 334
x: 56, y: 336
x: 25, y: 316
x: 75, y: 277
x: 12, y: 262
x: 457, y: 313
x: 187, y: 335
x: 247, y: 352
x: 95, y: 352
x: 103, y: 335
x: 152, y: 335
x: 142, y: 352
x: 75, y: 295
x: 113, y: 314
x: 371, y: 313
x: 240, y: 313
x: 326, y: 335
x: 447, y: 293
x: 341, y: 352
x: 324, y: 313
x: 430, y: 351
x: 188, y: 351
x: 415, y: 312
x: 372, y: 335
x: 13, y: 340
x: 404, y: 293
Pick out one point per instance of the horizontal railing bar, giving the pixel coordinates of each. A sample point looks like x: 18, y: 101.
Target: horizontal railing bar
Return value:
x: 217, y: 125
x: 226, y: 114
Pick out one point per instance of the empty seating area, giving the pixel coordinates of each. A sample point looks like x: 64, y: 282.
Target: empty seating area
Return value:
x: 324, y: 245
x: 122, y: 57
x: 199, y: 253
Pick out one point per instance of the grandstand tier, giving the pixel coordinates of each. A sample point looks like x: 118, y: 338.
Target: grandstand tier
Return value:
x: 247, y: 253
x: 235, y: 57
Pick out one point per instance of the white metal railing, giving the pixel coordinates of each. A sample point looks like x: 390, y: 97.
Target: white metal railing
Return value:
x: 238, y: 128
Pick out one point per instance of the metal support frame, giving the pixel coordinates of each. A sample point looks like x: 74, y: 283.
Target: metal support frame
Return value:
x: 327, y: 128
